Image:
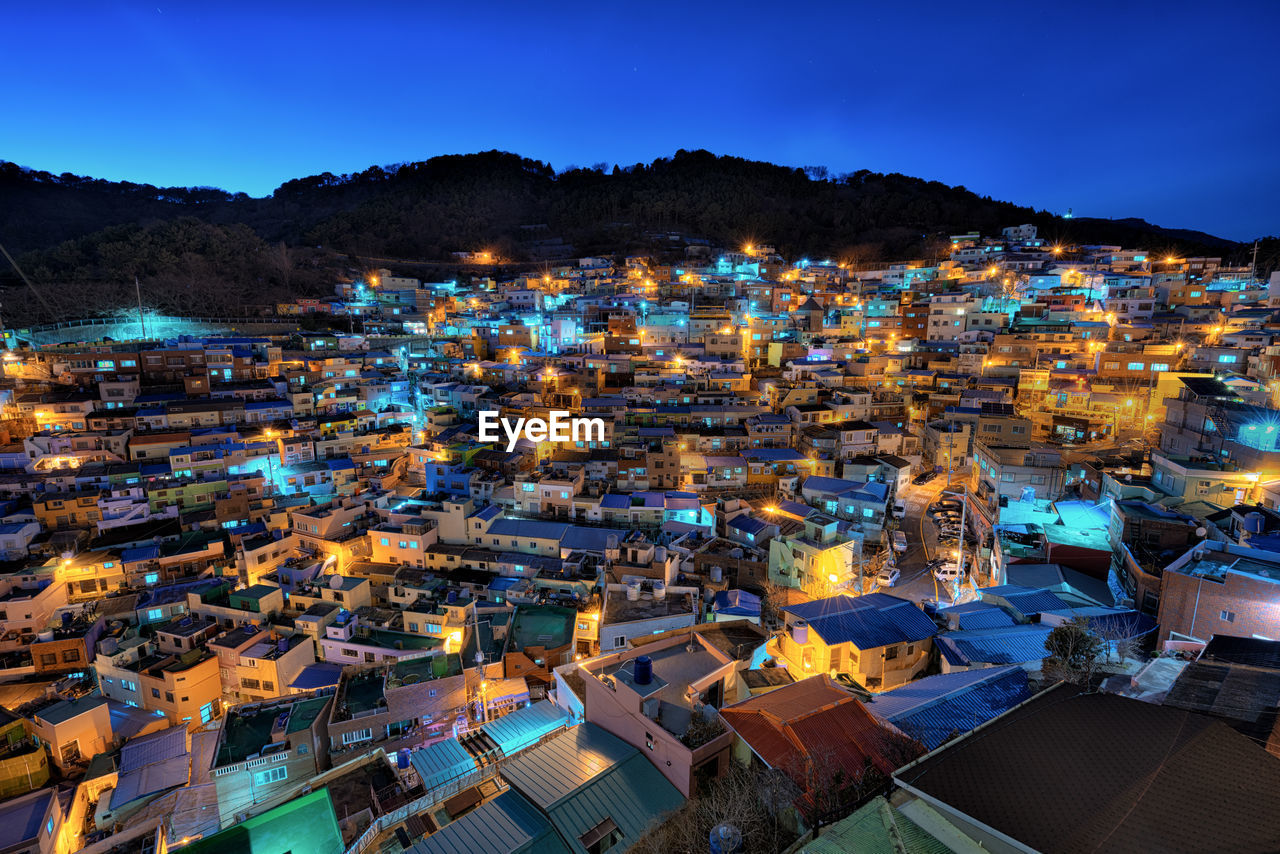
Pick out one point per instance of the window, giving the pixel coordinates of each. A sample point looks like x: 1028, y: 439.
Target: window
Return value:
x: 48, y: 658
x: 1227, y: 616
x: 128, y: 685
x: 1159, y: 366
x: 154, y: 614
x: 271, y: 775
x: 1135, y: 366
x: 70, y: 655
x: 1227, y: 359
x: 356, y: 736
x: 890, y: 652
x: 151, y: 577
x: 602, y: 837
x: 155, y: 693
x: 620, y: 641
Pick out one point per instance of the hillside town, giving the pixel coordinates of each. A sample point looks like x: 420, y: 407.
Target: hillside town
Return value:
x: 853, y: 556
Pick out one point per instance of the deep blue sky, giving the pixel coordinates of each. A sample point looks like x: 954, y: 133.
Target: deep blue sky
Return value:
x: 1170, y: 111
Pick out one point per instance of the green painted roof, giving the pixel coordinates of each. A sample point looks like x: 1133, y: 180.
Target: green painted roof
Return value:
x: 307, y: 823
x: 875, y: 828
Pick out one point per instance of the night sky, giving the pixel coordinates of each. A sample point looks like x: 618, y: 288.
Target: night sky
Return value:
x: 1170, y: 112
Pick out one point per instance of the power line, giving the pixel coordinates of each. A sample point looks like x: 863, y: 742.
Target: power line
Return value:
x: 24, y: 278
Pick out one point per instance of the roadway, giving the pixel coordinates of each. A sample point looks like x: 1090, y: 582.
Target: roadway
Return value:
x: 917, y: 583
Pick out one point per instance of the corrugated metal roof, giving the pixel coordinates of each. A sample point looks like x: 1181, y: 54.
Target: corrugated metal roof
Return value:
x: 1011, y: 645
x: 519, y: 729
x: 441, y: 762
x: 934, y: 708
x: 633, y: 793
x: 153, y: 747
x: 556, y: 769
x: 867, y: 622
x: 875, y: 828
x: 508, y: 824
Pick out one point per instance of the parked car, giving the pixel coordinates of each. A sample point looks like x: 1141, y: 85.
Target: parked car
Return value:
x: 947, y: 572
x: 924, y: 477
x: 899, y: 510
x: 888, y: 576
x: 944, y: 504
x: 899, y: 541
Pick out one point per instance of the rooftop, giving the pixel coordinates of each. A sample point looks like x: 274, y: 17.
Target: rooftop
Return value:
x: 1148, y: 778
x: 249, y: 729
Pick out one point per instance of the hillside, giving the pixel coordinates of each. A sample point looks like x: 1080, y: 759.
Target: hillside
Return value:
x: 180, y: 241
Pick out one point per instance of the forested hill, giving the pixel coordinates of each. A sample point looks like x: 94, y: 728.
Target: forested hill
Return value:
x: 68, y: 228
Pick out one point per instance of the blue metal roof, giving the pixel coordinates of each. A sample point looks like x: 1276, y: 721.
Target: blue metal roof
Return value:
x: 736, y: 603
x: 977, y: 615
x: 932, y: 709
x: 747, y: 523
x: 867, y: 622
x: 1010, y: 645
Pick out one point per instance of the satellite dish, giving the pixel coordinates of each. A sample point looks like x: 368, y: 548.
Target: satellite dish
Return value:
x: 335, y: 582
x: 1201, y: 531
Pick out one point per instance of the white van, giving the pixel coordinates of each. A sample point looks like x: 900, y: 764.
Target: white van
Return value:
x: 899, y: 541
x: 947, y: 572
x: 899, y: 510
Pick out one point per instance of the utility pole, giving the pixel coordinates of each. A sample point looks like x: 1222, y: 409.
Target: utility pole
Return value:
x: 142, y: 320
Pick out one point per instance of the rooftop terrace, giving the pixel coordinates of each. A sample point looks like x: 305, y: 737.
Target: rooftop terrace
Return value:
x: 249, y: 729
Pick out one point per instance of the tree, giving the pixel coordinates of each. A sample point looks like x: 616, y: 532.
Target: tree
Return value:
x: 1120, y: 635
x: 1073, y: 651
x: 752, y: 801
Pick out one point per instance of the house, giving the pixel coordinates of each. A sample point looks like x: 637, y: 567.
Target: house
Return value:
x: 1236, y: 680
x: 266, y: 749
x: 32, y: 823
x: 663, y: 698
x: 74, y: 730
x: 1102, y: 773
x: 878, y: 826
x: 1219, y: 589
x: 1021, y: 644
x: 24, y: 762
x: 879, y: 640
x: 411, y: 702
x: 150, y: 765
x: 934, y: 709
x: 304, y: 823
x: 821, y: 737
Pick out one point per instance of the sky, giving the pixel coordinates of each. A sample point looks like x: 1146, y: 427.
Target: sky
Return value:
x: 1168, y: 111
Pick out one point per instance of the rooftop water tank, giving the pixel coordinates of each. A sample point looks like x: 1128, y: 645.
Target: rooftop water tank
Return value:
x: 659, y: 590
x: 1254, y: 523
x: 452, y: 598
x: 717, y: 574
x: 402, y: 758
x: 800, y: 632
x: 633, y: 591
x: 643, y: 670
